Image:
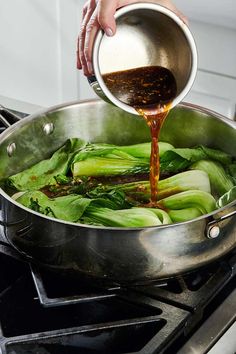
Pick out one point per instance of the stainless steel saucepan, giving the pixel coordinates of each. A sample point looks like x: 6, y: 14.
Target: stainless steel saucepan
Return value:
x: 124, y: 255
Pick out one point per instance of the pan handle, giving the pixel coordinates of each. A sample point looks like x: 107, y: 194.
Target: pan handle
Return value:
x: 8, y: 117
x: 213, y: 228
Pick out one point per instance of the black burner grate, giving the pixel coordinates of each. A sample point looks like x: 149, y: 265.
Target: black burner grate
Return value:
x: 51, y: 293
x: 145, y: 319
x: 195, y: 290
x: 127, y: 322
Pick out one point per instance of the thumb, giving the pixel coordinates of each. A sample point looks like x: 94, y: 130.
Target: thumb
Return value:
x: 106, y: 11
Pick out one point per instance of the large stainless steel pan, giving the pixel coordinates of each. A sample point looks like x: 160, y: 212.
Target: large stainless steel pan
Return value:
x: 124, y: 255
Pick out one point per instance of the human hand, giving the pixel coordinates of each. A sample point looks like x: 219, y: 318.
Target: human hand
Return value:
x: 100, y: 14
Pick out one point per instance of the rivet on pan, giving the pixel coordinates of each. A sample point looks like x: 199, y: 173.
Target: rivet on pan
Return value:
x: 11, y: 149
x: 48, y: 128
x: 214, y: 232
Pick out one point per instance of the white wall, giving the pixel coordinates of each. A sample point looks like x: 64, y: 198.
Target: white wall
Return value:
x: 215, y: 84
x: 214, y: 30
x: 37, y: 46
x: 216, y: 12
x: 38, y: 52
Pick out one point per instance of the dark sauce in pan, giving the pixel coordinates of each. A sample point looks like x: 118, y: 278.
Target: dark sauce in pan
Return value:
x: 150, y: 90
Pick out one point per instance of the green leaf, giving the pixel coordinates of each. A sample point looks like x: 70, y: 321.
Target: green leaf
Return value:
x: 227, y: 198
x: 68, y: 208
x: 42, y: 173
x: 216, y: 155
x: 134, y: 217
x: 142, y: 150
x: 109, y: 160
x: 75, y: 208
x: 232, y: 171
x: 179, y: 159
x: 184, y: 214
x: 201, y: 200
x: 220, y: 181
x: 162, y: 215
x: 105, y: 166
x: 140, y: 191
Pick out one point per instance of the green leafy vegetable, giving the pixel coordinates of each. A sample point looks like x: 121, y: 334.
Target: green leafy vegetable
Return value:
x: 232, y: 171
x: 49, y: 188
x: 201, y: 200
x: 140, y: 191
x: 179, y: 159
x: 109, y: 160
x: 142, y: 150
x: 42, y: 173
x: 109, y: 166
x: 184, y: 214
x: 68, y: 208
x: 76, y: 208
x: 227, y: 198
x: 163, y: 216
x: 220, y: 181
x: 134, y: 217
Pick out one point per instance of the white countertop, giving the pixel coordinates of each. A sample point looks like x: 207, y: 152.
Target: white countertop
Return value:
x: 20, y: 106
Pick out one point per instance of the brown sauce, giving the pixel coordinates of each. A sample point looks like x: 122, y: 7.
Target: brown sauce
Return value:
x: 150, y: 90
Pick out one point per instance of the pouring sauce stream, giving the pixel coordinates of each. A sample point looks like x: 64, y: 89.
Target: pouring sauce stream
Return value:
x: 150, y: 90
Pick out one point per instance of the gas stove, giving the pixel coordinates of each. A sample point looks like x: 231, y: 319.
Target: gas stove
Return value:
x: 45, y: 313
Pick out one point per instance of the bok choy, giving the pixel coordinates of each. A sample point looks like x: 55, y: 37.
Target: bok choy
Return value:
x: 70, y: 207
x: 75, y: 208
x: 201, y: 200
x: 133, y: 217
x: 107, y: 185
x: 140, y: 190
x: 179, y: 159
x: 109, y: 160
x: 220, y: 181
x: 42, y: 173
